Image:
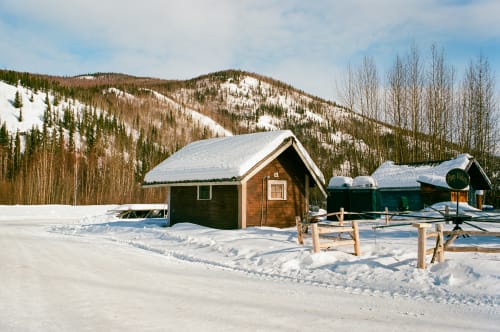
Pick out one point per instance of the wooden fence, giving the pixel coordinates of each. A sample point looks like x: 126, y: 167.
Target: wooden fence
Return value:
x: 441, y: 246
x: 327, y: 235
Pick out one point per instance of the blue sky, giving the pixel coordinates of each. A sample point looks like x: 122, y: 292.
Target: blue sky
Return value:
x: 307, y: 44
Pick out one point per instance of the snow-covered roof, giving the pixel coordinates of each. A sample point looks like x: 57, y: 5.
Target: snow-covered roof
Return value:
x: 390, y: 175
x: 364, y: 181
x: 225, y: 159
x: 340, y: 181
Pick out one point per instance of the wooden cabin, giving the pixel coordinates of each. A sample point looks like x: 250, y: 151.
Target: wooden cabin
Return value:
x: 431, y: 194
x: 413, y: 186
x: 260, y: 179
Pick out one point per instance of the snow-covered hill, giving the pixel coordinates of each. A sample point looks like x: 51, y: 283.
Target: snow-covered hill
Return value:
x: 34, y: 106
x: 199, y: 118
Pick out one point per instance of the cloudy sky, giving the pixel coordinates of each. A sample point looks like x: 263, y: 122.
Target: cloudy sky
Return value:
x: 307, y: 44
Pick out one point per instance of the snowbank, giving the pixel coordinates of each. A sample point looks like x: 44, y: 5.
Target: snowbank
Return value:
x: 387, y: 266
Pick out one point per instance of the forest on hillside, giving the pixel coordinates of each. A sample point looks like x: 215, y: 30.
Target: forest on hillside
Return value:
x: 86, y: 158
x: 99, y: 153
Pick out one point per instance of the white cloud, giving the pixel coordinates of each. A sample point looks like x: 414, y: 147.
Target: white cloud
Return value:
x: 300, y: 41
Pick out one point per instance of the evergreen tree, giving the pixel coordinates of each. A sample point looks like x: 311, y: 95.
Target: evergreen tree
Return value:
x: 4, y: 135
x: 18, y: 100
x: 10, y: 160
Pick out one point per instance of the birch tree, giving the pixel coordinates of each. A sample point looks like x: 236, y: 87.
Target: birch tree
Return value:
x: 478, y: 111
x: 439, y: 104
x: 395, y: 106
x: 415, y: 81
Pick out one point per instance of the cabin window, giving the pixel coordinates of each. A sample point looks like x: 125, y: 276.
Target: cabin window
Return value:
x: 276, y: 190
x: 204, y: 193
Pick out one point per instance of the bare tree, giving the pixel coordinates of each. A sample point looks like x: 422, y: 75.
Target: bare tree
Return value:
x: 347, y: 89
x: 368, y: 86
x: 395, y: 106
x: 478, y: 110
x: 439, y: 104
x: 415, y: 82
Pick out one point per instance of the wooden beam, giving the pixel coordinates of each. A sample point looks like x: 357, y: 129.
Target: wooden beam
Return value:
x: 471, y: 233
x: 355, y: 234
x: 432, y: 234
x: 306, y: 208
x: 169, y: 207
x: 422, y: 229
x: 439, y: 243
x: 333, y: 229
x: 315, y: 238
x: 338, y: 243
x: 473, y: 249
x: 429, y: 251
x: 450, y: 240
x: 242, y: 205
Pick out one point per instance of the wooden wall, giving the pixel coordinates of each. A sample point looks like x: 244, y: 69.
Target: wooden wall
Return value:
x: 260, y: 210
x: 432, y: 194
x: 219, y: 212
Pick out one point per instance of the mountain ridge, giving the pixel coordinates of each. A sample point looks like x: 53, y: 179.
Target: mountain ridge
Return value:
x: 132, y: 123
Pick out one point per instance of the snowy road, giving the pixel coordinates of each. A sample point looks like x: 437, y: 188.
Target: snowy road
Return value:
x: 54, y: 282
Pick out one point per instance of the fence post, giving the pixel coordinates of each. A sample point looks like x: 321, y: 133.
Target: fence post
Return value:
x: 315, y: 238
x: 341, y: 219
x: 355, y: 233
x: 440, y: 243
x: 386, y: 215
x: 422, y: 237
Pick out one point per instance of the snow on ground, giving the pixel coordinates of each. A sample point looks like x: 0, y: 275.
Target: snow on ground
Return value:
x: 267, y: 122
x: 120, y: 93
x: 82, y: 268
x: 388, y: 254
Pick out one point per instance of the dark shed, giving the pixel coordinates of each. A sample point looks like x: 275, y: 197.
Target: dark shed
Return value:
x: 260, y: 179
x: 422, y: 183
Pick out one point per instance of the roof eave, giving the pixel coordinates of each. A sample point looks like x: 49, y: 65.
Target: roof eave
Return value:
x: 219, y: 182
x: 482, y: 172
x: 313, y: 174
